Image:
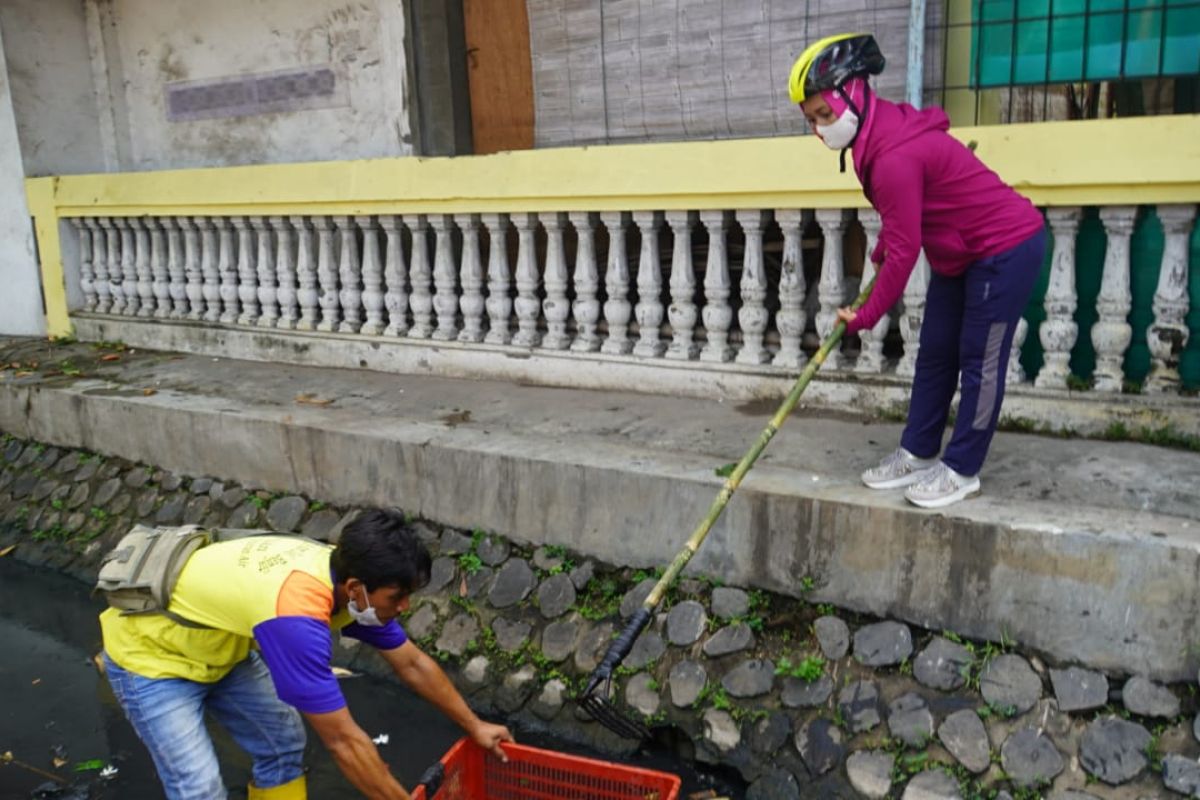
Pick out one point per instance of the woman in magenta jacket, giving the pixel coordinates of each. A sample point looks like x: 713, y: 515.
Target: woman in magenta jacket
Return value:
x: 984, y: 242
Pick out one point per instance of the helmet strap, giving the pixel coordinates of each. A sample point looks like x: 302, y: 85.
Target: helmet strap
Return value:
x: 862, y: 116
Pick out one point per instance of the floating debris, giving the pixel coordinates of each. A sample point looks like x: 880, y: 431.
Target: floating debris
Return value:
x: 382, y: 738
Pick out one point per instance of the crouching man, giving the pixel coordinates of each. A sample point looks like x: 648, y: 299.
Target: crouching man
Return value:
x: 246, y: 637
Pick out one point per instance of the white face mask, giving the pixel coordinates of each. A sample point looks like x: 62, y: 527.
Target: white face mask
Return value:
x: 366, y: 617
x: 839, y: 135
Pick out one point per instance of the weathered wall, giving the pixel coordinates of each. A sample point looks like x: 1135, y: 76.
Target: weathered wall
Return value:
x: 175, y: 40
x: 20, y: 302
x: 636, y: 70
x: 46, y: 46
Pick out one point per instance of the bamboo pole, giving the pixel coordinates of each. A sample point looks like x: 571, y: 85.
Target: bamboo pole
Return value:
x: 739, y: 472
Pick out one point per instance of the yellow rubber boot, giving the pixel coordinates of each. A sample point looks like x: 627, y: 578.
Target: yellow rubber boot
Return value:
x: 292, y: 790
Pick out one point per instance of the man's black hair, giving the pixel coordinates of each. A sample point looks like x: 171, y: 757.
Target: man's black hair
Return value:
x: 380, y: 548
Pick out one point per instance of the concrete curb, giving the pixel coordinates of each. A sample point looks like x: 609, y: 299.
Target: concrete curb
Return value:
x: 1116, y: 590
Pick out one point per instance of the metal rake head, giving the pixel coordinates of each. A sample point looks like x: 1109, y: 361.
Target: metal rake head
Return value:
x: 594, y: 701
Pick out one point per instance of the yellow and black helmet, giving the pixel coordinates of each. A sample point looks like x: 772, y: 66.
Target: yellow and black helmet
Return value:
x: 827, y: 64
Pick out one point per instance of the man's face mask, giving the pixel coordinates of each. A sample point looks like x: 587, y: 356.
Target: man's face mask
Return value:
x: 839, y: 134
x: 365, y: 616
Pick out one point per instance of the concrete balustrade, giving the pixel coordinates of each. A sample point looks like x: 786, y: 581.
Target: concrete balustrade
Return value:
x: 688, y: 300
x: 634, y: 267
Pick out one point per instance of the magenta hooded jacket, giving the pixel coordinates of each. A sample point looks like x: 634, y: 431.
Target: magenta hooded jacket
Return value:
x: 932, y: 192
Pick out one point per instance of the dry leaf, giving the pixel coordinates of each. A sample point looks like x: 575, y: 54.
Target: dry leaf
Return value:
x: 110, y: 357
x: 312, y: 400
x: 462, y: 587
x: 59, y: 763
x: 35, y: 681
x: 23, y: 374
x: 7, y: 550
x: 148, y: 392
x: 457, y: 418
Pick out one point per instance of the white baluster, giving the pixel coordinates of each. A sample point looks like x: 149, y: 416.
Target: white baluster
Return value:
x: 129, y: 267
x: 268, y: 293
x: 327, y: 276
x: 717, y: 314
x: 100, y: 265
x: 117, y: 248
x: 161, y: 278
x: 247, y: 277
x: 140, y: 235
x: 372, y: 277
x: 445, y: 279
x: 1167, y: 336
x: 472, y: 279
x: 586, y: 280
x: 209, y: 252
x: 752, y: 316
x: 191, y: 266
x: 349, y: 276
x: 226, y: 272
x: 1059, y: 331
x: 914, y: 313
x: 306, y: 277
x: 177, y: 274
x: 556, y: 306
x: 649, y: 309
x: 682, y: 312
x: 112, y: 258
x: 282, y: 276
x: 420, y: 273
x: 832, y: 287
x: 395, y: 274
x: 499, y: 299
x: 617, y: 310
x: 791, y: 317
x: 527, y: 305
x: 1112, y: 333
x: 1015, y: 373
x: 870, y: 359
x: 87, y: 278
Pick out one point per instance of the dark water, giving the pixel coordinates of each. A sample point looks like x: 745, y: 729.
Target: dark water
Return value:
x: 52, y: 697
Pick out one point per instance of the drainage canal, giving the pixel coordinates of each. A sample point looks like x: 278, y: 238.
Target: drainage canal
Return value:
x: 58, y: 715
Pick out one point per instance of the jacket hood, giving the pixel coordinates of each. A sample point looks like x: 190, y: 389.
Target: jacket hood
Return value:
x: 894, y: 124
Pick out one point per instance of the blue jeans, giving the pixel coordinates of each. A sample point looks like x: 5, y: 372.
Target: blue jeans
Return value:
x: 168, y: 715
x: 967, y: 335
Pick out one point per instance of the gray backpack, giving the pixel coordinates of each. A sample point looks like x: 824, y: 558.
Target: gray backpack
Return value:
x: 139, y: 574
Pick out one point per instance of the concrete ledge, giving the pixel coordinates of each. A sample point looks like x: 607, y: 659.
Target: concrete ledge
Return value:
x: 1084, y: 413
x: 1111, y: 586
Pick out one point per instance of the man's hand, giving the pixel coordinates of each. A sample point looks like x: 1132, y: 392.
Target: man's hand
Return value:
x: 489, y: 737
x: 422, y: 674
x: 846, y: 315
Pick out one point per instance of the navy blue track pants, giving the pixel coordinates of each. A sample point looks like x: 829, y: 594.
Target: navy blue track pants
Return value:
x: 968, y: 330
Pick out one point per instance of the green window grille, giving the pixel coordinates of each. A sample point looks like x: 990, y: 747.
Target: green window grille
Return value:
x: 1020, y: 42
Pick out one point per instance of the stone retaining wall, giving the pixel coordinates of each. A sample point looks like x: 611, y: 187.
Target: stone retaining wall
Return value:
x: 803, y: 700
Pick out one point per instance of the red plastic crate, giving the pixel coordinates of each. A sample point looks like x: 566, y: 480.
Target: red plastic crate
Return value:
x: 471, y: 773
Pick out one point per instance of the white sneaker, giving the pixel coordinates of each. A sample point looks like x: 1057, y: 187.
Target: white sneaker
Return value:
x: 897, y: 469
x: 941, y: 486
